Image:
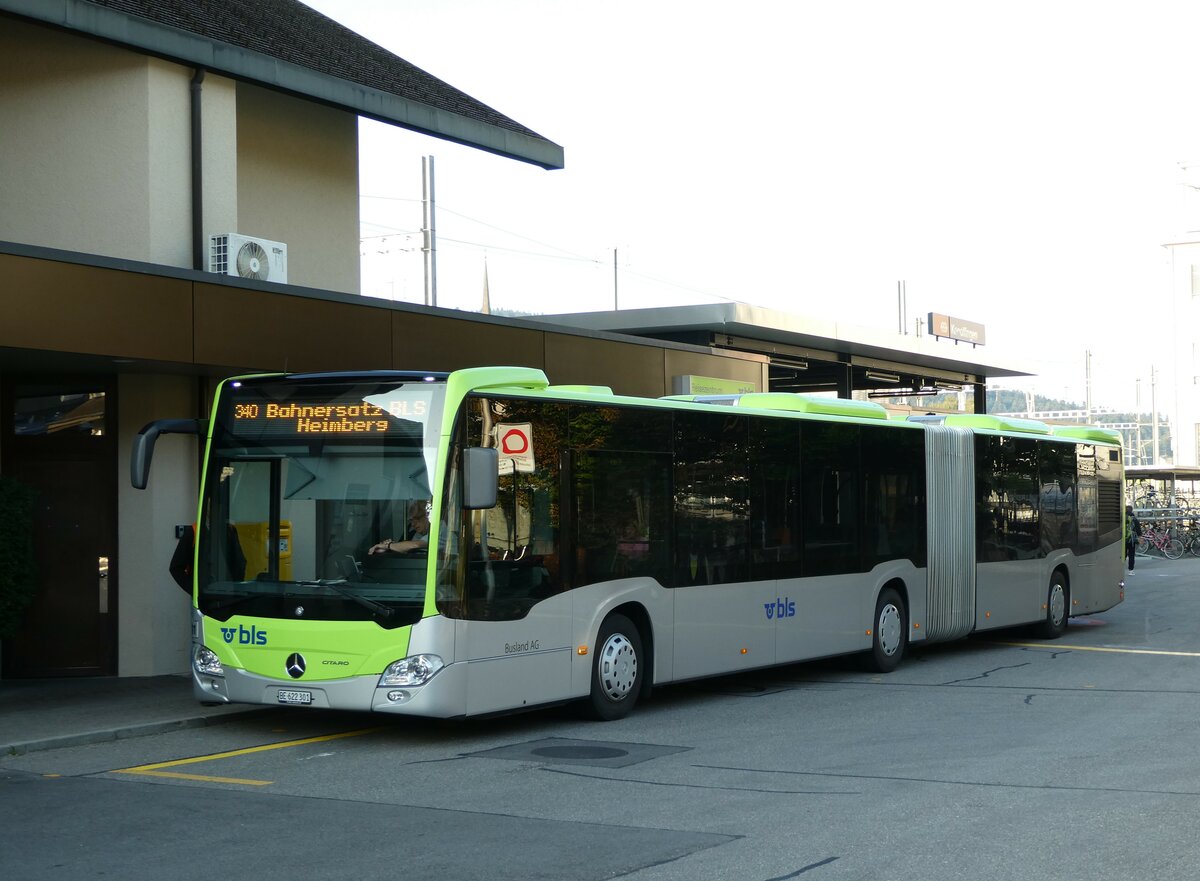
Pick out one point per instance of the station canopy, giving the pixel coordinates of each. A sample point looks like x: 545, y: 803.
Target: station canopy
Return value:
x: 812, y: 355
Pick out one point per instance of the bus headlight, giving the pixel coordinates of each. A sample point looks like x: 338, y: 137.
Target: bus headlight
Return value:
x: 416, y: 670
x: 205, y: 661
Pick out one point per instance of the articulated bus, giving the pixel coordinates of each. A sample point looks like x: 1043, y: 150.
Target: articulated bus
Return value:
x: 584, y: 546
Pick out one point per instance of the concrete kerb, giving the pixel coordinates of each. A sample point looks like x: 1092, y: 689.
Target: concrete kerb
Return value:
x: 123, y: 732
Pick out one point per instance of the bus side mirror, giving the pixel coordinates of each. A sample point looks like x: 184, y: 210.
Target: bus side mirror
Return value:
x: 143, y: 445
x: 481, y: 477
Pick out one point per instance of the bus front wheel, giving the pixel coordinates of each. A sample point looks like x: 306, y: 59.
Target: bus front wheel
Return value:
x: 617, y: 669
x: 889, y: 633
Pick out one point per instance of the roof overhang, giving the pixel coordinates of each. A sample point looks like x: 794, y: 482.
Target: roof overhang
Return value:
x: 753, y: 328
x: 239, y: 63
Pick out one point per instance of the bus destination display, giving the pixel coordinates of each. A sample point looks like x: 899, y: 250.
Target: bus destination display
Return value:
x: 302, y: 417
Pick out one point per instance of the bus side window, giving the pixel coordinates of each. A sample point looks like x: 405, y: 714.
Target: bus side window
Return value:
x: 621, y: 516
x: 712, y: 498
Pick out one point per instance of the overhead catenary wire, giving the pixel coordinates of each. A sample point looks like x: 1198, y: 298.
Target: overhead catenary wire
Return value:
x: 563, y: 255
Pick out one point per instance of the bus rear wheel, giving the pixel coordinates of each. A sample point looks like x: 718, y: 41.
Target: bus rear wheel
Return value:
x: 617, y: 669
x: 889, y: 633
x: 1055, y: 623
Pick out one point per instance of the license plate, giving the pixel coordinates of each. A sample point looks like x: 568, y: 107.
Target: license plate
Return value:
x: 294, y: 697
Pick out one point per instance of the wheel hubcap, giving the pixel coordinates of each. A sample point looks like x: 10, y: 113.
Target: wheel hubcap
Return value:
x: 889, y: 629
x: 618, y: 667
x: 1058, y: 604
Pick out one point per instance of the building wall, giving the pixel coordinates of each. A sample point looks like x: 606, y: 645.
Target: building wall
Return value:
x: 154, y: 613
x: 74, y: 143
x: 95, y: 147
x: 218, y: 124
x: 297, y: 182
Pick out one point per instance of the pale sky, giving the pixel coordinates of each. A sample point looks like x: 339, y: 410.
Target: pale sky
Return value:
x: 1016, y: 164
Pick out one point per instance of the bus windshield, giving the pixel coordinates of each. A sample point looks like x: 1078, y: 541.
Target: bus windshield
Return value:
x: 306, y: 478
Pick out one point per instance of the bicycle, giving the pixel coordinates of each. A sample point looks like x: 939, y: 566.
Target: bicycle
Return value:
x: 1160, y: 539
x: 1189, y: 534
x: 1152, y: 499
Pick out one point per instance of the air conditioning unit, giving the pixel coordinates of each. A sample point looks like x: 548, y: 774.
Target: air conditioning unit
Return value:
x: 247, y: 257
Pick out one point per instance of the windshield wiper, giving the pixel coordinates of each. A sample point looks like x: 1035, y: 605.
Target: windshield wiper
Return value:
x: 335, y: 584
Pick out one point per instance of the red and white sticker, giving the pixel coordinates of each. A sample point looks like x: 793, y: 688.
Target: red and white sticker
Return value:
x: 514, y: 442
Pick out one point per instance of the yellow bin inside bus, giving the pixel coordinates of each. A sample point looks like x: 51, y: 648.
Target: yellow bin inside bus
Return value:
x: 254, y: 538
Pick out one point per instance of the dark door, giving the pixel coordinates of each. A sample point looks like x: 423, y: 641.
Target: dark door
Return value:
x: 59, y: 443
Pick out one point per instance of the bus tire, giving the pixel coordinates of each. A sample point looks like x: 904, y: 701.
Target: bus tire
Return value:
x: 1057, y: 598
x: 889, y: 632
x: 617, y: 669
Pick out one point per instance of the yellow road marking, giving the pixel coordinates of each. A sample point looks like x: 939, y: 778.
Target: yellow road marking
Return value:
x: 155, y: 770
x: 1093, y: 648
x: 203, y: 777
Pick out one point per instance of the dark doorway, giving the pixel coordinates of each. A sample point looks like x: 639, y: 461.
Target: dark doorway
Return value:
x: 59, y: 440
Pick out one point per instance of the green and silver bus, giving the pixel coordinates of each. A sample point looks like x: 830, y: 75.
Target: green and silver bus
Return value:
x: 584, y: 546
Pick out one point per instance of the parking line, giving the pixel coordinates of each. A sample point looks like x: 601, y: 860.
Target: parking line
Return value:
x: 1054, y: 646
x: 155, y: 770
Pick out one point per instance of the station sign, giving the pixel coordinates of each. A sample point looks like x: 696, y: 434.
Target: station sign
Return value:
x: 689, y: 384
x: 957, y: 329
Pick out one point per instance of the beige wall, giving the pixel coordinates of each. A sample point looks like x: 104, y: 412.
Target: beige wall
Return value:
x: 95, y: 149
x: 297, y: 174
x: 73, y: 143
x: 154, y: 614
x: 218, y: 123
x: 167, y: 138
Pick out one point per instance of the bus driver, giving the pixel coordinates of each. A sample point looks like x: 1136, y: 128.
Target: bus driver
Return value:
x: 418, y: 530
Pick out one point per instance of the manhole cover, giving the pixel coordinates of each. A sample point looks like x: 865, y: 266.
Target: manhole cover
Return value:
x: 579, y: 752
x: 595, y: 753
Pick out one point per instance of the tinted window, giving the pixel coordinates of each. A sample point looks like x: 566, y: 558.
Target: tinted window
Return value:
x: 829, y: 486
x: 893, y: 468
x: 712, y: 498
x: 622, y: 516
x: 641, y: 429
x: 1056, y: 470
x: 1088, y: 510
x: 774, y: 472
x: 1007, y: 521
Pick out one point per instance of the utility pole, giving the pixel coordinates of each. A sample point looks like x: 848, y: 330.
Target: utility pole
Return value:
x: 428, y: 231
x: 615, y: 304
x: 1153, y: 417
x: 1087, y: 381
x: 1137, y: 422
x: 902, y: 305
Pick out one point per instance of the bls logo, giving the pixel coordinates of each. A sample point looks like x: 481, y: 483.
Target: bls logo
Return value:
x: 253, y: 636
x: 781, y: 608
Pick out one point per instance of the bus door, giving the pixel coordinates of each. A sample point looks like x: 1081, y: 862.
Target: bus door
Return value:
x: 516, y: 633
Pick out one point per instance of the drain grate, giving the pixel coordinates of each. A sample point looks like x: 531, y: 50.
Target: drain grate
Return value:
x: 564, y: 751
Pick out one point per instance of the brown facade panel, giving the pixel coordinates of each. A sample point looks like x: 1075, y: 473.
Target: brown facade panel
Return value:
x: 434, y: 342
x: 255, y: 330
x: 627, y: 368
x: 66, y: 307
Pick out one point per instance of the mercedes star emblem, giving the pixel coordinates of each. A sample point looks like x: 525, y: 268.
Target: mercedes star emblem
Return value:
x: 295, y: 665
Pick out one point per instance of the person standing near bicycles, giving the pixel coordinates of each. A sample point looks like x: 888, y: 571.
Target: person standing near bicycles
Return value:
x: 1133, y: 531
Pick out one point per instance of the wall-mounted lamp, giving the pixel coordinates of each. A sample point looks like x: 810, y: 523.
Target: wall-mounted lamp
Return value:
x: 881, y: 376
